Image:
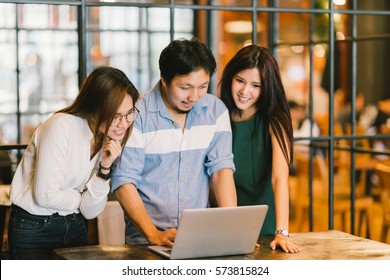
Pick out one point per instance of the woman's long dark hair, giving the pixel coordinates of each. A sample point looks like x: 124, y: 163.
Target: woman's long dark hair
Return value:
x: 99, y: 98
x: 272, y: 104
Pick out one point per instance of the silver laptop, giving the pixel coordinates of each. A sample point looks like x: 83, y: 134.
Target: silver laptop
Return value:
x: 211, y: 232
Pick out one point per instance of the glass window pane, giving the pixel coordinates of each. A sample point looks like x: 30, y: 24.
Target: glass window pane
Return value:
x: 295, y: 3
x: 341, y: 4
x: 114, y: 17
x: 135, y: 53
x: 184, y: 20
x: 8, y: 129
x: 48, y: 70
x: 262, y: 29
x: 241, y: 3
x: 343, y: 27
x: 372, y: 70
x: 7, y: 15
x: 320, y: 95
x: 47, y: 16
x: 294, y: 27
x: 370, y: 25
x: 8, y: 72
x: 158, y: 19
x: 51, y: 1
x: 293, y: 71
x: 321, y: 27
x: 361, y: 5
x: 322, y: 4
x: 117, y: 49
x: 231, y: 3
x: 158, y: 41
x: 133, y: 1
x: 192, y: 2
x: 231, y: 30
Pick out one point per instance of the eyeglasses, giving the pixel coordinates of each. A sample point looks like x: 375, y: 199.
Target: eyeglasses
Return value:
x: 129, y: 117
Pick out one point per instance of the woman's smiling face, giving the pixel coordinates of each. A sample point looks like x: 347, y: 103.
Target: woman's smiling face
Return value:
x: 117, y: 131
x: 246, y: 89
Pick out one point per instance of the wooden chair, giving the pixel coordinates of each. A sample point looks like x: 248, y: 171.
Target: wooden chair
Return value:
x: 302, y: 188
x: 363, y: 161
x: 323, y: 123
x: 342, y: 204
x: 383, y: 172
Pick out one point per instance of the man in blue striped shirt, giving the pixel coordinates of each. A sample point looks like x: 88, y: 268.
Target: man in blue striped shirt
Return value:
x: 180, y: 150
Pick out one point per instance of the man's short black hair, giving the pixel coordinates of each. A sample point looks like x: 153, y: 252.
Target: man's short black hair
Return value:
x: 182, y: 56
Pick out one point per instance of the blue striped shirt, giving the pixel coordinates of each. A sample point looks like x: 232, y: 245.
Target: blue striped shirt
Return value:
x: 170, y: 169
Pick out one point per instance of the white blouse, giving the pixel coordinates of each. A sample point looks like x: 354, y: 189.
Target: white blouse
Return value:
x: 56, y: 174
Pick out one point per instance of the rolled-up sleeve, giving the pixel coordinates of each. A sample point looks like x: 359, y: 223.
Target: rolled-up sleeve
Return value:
x: 128, y: 167
x: 220, y: 153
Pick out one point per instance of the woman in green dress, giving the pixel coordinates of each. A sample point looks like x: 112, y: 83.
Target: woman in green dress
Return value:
x: 252, y: 90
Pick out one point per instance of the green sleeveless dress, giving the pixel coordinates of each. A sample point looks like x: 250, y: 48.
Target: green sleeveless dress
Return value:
x: 252, y: 151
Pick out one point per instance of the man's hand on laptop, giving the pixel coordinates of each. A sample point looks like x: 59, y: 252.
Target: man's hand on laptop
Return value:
x: 163, y: 238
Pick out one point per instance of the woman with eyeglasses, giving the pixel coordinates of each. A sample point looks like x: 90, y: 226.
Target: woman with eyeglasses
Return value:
x: 65, y: 171
x: 252, y: 90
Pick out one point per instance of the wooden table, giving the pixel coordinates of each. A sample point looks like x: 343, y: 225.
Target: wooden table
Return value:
x: 326, y: 245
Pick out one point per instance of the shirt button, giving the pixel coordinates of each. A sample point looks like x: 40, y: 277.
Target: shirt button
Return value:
x: 182, y: 159
x: 181, y: 199
x: 182, y: 179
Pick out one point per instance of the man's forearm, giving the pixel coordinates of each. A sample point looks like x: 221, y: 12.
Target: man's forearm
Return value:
x: 223, y: 187
x: 134, y: 208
